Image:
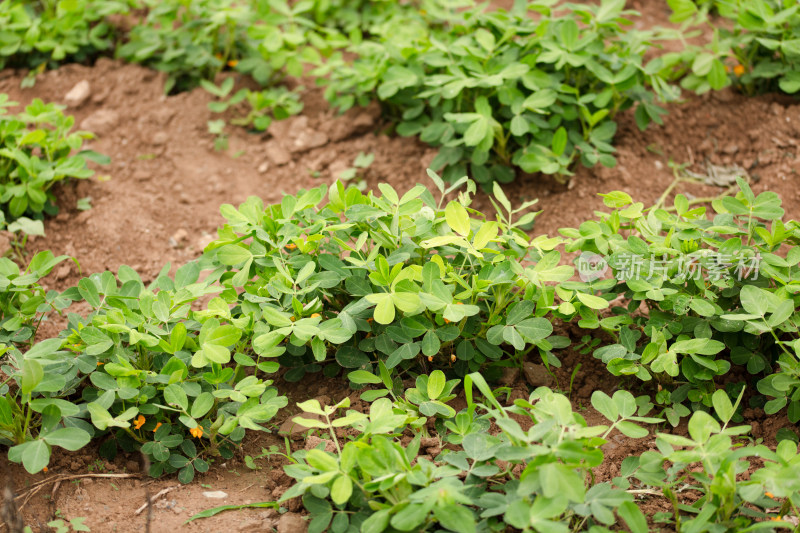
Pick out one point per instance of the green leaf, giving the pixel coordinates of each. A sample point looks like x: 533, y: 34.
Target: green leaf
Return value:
x: 457, y: 218
x: 592, y: 301
x: 454, y: 517
x: 605, y: 405
x: 701, y: 426
x: 202, y: 405
x: 633, y: 517
x: 341, y: 489
x: 233, y: 254
x: 71, y: 438
x: 32, y: 375
x: 753, y: 301
x: 175, y: 395
x: 436, y: 383
x: 35, y: 456
x: 559, y: 141
x: 722, y: 405
x: 360, y: 377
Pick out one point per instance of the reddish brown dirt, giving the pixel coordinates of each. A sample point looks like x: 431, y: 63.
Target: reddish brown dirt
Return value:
x: 167, y: 182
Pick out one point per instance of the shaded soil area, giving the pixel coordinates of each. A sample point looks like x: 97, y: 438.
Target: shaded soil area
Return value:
x: 158, y: 202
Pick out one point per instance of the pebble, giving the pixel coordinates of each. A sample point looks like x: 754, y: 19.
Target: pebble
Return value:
x: 263, y: 167
x: 101, y: 122
x: 277, y: 154
x: 536, y: 375
x: 295, y: 430
x: 78, y: 95
x: 160, y: 138
x: 5, y: 242
x: 309, y: 139
x: 292, y: 523
x: 313, y: 441
x: 63, y: 271
x: 215, y: 494
x: 510, y: 375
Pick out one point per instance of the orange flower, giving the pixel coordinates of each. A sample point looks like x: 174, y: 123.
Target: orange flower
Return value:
x: 446, y: 321
x: 316, y: 315
x: 430, y: 359
x: 776, y: 518
x: 139, y: 422
x: 196, y: 432
x: 99, y: 363
x: 233, y: 62
x: 738, y: 70
x: 44, y: 470
x: 157, y: 426
x: 452, y: 358
x: 459, y: 303
x: 291, y: 246
x: 769, y: 495
x: 370, y: 320
x: 292, y: 318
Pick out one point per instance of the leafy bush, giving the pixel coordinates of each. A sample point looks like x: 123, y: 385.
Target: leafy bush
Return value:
x: 153, y: 374
x: 701, y: 295
x: 539, y: 479
x: 37, y: 150
x: 755, y: 46
x: 47, y: 32
x: 23, y: 301
x: 710, y: 463
x: 361, y: 280
x: 534, y: 480
x: 276, y: 102
x: 194, y: 41
x: 495, y: 89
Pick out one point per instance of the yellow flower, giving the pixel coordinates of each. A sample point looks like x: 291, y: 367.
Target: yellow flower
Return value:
x: 769, y: 495
x: 157, y: 426
x: 738, y: 70
x: 233, y: 62
x: 316, y: 315
x: 196, y: 432
x: 452, y: 358
x: 291, y: 246
x: 139, y: 422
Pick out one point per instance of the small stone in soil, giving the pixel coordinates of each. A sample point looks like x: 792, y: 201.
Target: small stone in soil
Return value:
x: 5, y: 242
x: 536, y: 375
x: 510, y: 375
x: 179, y: 238
x: 277, y: 154
x: 292, y: 523
x: 101, y: 122
x: 295, y: 430
x: 313, y: 441
x: 78, y: 95
x: 215, y: 494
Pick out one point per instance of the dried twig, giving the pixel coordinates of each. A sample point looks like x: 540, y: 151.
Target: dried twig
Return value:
x: 36, y: 487
x: 152, y: 500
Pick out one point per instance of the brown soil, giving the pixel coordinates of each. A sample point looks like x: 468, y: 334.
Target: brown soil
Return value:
x: 166, y: 182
